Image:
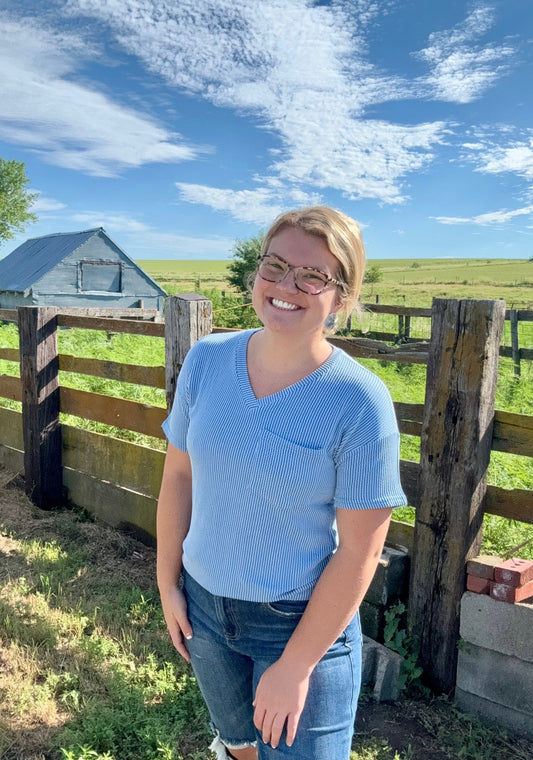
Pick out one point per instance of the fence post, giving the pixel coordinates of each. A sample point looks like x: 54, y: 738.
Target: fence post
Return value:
x: 187, y: 318
x: 455, y: 451
x: 39, y: 368
x: 515, y: 348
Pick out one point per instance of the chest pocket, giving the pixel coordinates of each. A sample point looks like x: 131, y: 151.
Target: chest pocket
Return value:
x: 288, y: 474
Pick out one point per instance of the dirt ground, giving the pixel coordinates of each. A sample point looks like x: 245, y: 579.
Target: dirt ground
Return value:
x: 413, y: 729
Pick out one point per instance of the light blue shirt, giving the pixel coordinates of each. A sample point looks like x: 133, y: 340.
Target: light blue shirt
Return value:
x: 269, y: 473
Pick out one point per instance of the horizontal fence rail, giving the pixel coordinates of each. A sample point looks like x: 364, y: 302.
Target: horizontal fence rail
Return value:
x: 118, y: 480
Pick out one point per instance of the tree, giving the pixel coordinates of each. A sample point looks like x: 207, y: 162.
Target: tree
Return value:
x: 372, y: 275
x: 15, y: 200
x: 245, y: 255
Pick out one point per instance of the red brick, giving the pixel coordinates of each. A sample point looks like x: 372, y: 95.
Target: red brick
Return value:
x: 483, y: 566
x: 503, y: 593
x: 514, y: 572
x: 478, y: 585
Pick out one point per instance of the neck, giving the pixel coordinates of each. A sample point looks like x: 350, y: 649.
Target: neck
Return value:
x: 284, y: 353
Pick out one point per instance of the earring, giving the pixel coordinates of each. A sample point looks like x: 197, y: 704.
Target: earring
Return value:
x: 331, y: 321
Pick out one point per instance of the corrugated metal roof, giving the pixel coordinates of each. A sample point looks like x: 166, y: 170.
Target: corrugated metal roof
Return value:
x: 36, y: 257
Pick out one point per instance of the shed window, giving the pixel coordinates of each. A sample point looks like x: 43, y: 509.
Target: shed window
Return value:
x: 102, y: 276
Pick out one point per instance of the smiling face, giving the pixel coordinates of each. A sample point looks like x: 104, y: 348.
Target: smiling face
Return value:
x: 280, y: 306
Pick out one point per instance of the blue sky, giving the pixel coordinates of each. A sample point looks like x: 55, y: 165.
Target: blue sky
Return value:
x: 182, y: 125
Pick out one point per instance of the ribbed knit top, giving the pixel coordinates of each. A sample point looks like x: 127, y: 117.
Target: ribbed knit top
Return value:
x: 269, y: 473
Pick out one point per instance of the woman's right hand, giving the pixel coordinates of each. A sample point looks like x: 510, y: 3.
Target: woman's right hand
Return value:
x: 175, y: 611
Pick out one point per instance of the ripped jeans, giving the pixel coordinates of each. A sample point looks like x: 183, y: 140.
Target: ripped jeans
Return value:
x: 235, y: 641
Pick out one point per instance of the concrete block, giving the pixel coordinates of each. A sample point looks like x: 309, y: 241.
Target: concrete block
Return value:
x: 505, y: 628
x: 501, y: 592
x: 514, y: 572
x: 372, y: 620
x: 496, y: 677
x: 513, y: 719
x: 391, y: 577
x: 483, y: 566
x: 477, y: 585
x: 381, y: 668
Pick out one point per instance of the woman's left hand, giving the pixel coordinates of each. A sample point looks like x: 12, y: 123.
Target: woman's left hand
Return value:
x: 279, y: 698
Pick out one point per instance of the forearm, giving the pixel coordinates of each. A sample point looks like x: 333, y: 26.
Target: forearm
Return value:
x: 171, y: 532
x: 336, y: 597
x: 173, y: 519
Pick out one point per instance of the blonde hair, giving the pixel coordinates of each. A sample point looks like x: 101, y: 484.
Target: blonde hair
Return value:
x: 343, y: 238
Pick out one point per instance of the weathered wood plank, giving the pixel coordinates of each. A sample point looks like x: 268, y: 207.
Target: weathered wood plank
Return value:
x: 524, y: 315
x: 365, y: 348
x: 109, y: 313
x: 455, y: 452
x: 409, y: 474
x: 125, y: 373
x: 119, y: 412
x: 11, y: 427
x: 118, y: 507
x: 12, y: 459
x: 125, y: 464
x: 524, y: 353
x: 411, y: 311
x: 513, y: 504
x: 130, y: 326
x: 9, y: 315
x: 513, y: 433
x: 409, y: 417
x: 9, y: 354
x: 39, y: 367
x: 401, y: 534
x: 188, y: 317
x: 11, y: 387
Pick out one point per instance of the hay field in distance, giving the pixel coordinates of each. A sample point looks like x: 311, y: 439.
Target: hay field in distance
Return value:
x: 413, y: 282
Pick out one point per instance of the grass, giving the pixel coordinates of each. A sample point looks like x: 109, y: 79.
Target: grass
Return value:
x: 87, y: 670
x: 86, y: 667
x: 405, y: 382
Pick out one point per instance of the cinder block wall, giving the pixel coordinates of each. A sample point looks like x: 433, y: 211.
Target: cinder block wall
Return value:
x: 495, y: 668
x: 390, y: 584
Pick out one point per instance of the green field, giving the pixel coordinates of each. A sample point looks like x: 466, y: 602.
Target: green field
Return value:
x: 414, y: 282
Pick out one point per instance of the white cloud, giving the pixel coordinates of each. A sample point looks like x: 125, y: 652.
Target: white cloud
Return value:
x: 110, y: 221
x: 255, y: 206
x: 140, y: 240
x: 259, y: 206
x: 462, y: 70
x: 505, y: 151
x: 163, y: 245
x: 487, y: 219
x: 298, y: 68
x: 516, y: 158
x: 43, y: 204
x: 66, y: 123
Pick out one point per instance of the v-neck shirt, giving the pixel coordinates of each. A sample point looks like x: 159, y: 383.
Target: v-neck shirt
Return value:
x: 268, y: 473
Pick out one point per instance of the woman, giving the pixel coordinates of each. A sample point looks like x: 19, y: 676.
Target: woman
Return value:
x: 279, y: 482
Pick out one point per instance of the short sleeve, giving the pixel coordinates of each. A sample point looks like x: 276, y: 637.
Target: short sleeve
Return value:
x: 368, y: 477
x: 176, y: 425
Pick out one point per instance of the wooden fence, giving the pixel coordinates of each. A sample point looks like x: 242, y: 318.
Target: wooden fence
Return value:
x: 403, y: 334
x: 118, y: 481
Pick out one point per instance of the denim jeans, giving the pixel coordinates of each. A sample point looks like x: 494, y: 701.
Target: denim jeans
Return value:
x: 235, y: 641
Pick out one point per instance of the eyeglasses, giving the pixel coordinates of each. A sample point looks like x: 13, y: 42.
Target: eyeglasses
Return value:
x: 311, y: 281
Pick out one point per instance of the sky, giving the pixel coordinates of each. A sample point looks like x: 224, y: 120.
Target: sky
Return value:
x: 181, y: 126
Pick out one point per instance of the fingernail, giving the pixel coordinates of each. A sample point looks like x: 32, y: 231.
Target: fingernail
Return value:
x: 189, y: 636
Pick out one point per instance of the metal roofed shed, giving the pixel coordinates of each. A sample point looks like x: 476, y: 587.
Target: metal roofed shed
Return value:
x: 76, y: 269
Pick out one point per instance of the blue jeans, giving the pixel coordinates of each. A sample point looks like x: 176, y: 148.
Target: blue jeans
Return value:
x: 235, y: 641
